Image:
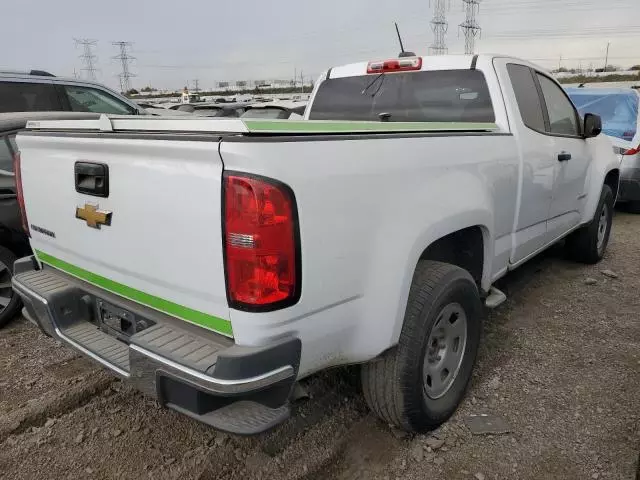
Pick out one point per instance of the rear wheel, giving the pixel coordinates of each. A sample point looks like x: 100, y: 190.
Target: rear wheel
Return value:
x: 418, y: 384
x: 10, y: 303
x: 588, y: 244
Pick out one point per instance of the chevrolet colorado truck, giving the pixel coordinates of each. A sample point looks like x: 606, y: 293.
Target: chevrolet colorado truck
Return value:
x: 215, y: 262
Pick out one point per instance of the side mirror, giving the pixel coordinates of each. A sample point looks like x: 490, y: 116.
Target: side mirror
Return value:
x: 592, y: 125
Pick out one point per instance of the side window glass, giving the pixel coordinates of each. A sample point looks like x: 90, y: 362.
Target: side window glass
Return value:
x: 6, y: 159
x: 84, y: 99
x: 526, y: 96
x: 28, y: 97
x: 562, y: 115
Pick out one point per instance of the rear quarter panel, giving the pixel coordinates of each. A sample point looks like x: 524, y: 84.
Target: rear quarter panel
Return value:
x: 368, y: 207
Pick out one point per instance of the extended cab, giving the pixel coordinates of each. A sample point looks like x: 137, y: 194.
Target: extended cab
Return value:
x: 213, y: 263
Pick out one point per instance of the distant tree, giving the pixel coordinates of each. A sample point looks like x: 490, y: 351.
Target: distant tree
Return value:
x: 148, y: 89
x: 635, y: 67
x: 132, y: 91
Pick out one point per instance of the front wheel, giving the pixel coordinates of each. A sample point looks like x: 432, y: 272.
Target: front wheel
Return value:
x: 418, y: 384
x: 588, y: 244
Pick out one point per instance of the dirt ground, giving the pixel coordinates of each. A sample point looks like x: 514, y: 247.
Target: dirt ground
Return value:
x: 559, y: 363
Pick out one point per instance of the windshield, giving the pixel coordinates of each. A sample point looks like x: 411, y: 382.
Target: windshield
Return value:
x: 619, y: 111
x: 429, y: 96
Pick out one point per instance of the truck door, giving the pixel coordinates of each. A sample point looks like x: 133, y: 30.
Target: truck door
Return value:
x: 572, y: 158
x: 536, y: 156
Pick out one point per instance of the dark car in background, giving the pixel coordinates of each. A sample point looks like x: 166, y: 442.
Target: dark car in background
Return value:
x: 38, y: 91
x: 13, y: 237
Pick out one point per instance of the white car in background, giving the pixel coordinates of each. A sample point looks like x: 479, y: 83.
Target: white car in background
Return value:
x: 618, y: 108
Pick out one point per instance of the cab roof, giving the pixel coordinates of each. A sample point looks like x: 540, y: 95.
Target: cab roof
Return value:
x: 433, y: 62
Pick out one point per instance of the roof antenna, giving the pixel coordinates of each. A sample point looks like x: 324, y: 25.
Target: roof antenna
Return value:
x: 402, y: 52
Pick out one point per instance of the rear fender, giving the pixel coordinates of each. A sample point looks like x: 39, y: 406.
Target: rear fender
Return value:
x: 393, y: 267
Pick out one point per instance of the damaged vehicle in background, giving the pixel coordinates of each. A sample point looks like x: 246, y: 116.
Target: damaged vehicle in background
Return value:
x: 618, y: 108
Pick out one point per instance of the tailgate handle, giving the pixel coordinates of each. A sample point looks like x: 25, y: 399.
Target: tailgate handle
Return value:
x: 92, y: 178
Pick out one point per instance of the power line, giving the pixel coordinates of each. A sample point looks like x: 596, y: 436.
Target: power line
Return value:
x: 470, y: 25
x: 125, y: 59
x: 439, y: 26
x: 88, y: 58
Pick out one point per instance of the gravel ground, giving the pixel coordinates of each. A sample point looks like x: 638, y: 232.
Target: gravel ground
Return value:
x: 559, y: 366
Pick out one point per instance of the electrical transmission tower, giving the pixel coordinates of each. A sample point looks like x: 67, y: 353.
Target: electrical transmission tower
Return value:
x: 88, y: 58
x: 470, y: 25
x: 125, y: 59
x: 439, y: 26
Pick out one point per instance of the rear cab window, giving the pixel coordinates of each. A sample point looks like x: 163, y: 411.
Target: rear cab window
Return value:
x: 28, y: 97
x: 423, y: 96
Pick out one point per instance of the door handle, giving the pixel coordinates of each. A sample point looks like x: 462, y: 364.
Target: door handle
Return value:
x: 564, y: 156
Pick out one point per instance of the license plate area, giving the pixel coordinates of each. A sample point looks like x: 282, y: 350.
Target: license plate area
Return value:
x: 119, y: 322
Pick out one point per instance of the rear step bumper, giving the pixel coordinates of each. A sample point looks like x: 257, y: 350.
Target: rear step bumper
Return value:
x: 242, y: 390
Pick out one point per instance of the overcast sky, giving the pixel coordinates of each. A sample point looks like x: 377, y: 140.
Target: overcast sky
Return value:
x: 176, y: 42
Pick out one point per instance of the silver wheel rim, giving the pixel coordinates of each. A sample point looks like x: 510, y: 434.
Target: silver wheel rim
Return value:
x: 445, y: 350
x: 603, y: 223
x: 6, y: 292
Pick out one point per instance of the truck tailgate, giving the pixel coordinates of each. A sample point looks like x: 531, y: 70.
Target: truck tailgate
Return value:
x: 157, y: 235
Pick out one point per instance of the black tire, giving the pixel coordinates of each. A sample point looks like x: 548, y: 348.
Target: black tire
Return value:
x: 582, y: 245
x: 8, y: 313
x: 394, y: 385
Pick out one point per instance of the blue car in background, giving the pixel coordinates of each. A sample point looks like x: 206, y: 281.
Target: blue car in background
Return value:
x: 619, y: 110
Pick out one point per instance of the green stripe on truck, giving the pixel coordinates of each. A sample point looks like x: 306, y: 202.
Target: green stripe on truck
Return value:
x: 323, y: 126
x: 185, y: 313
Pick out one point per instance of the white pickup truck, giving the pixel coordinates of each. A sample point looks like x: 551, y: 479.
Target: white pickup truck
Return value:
x: 213, y: 263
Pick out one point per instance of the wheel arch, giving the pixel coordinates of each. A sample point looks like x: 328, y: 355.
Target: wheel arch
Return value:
x: 467, y: 227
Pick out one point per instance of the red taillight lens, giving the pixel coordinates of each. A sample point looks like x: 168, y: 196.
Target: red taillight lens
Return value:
x: 633, y: 151
x: 260, y: 243
x: 19, y: 194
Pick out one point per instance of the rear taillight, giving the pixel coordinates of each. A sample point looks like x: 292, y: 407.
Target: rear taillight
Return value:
x: 260, y: 243
x: 19, y: 193
x: 633, y: 151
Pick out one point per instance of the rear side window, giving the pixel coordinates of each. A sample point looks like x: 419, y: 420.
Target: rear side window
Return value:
x: 526, y: 96
x: 429, y: 96
x: 6, y: 159
x: 84, y: 99
x: 28, y: 97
